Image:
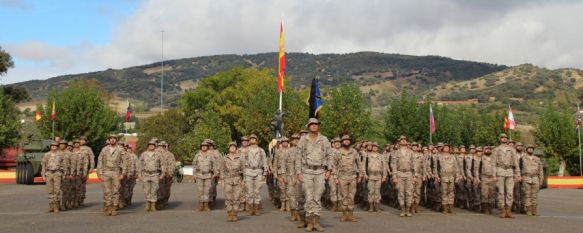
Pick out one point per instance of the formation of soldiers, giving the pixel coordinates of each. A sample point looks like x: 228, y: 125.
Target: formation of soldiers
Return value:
x: 306, y: 172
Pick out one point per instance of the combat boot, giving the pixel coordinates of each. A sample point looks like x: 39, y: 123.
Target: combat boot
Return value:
x: 287, y: 208
x: 302, y: 220
x: 334, y: 206
x: 509, y: 213
x: 444, y: 208
x: 451, y: 209
x: 534, y: 211
x: 344, y: 217
x: 503, y: 212
x: 113, y: 211
x: 370, y: 207
x: 529, y: 210
x: 310, y: 221
x: 200, y: 206
x: 408, y: 212
x: 147, y: 206
x: 51, y: 208
x: 282, y: 208
x: 250, y: 210
x: 317, y: 226
x: 350, y: 215
x: 153, y: 207
x: 403, y: 212
x: 293, y: 214
x: 107, y: 211
x: 229, y: 216
x: 235, y: 219
x: 256, y: 210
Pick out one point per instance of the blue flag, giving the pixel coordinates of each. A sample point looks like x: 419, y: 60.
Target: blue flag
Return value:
x: 314, y: 100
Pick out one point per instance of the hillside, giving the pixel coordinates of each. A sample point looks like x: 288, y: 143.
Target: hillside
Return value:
x: 384, y: 74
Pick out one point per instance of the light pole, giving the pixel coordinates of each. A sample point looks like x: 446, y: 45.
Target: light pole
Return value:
x: 162, y: 77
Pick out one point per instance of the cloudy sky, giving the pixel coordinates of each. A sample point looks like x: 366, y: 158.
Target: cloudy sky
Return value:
x: 50, y: 38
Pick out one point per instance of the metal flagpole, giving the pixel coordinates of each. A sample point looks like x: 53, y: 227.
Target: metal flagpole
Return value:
x: 579, y: 137
x: 54, y: 131
x: 162, y: 77
x: 430, y: 115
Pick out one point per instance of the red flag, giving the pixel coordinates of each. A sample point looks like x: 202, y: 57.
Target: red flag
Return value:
x: 509, y: 122
x: 37, y: 116
x: 431, y: 120
x: 53, y: 113
x: 281, y: 68
x: 128, y: 112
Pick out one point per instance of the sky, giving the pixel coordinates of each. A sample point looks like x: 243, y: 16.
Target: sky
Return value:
x: 51, y: 38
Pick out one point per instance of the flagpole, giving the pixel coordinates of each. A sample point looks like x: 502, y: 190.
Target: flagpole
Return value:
x: 579, y: 138
x: 54, y: 131
x: 430, y: 138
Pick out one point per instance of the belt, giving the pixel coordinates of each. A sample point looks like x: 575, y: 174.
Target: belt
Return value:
x: 505, y: 166
x: 316, y: 167
x: 54, y: 170
x: 405, y: 170
x: 151, y: 172
x: 530, y: 175
x: 375, y: 173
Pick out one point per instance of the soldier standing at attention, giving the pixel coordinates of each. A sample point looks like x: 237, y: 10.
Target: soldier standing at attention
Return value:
x: 347, y: 171
x: 291, y: 173
x: 66, y: 187
x: 403, y: 173
x: 255, y: 173
x: 243, y: 196
x: 280, y: 172
x: 110, y: 170
x: 52, y: 168
x: 150, y: 169
x: 81, y: 170
x: 518, y: 204
x: 376, y: 173
x: 168, y: 174
x: 217, y: 158
x: 533, y: 176
x: 486, y: 180
x: 90, y: 165
x: 449, y: 174
x: 476, y: 160
x: 132, y: 173
x: 232, y: 168
x: 204, y: 169
x: 419, y: 164
x: 331, y: 183
x: 314, y: 151
x: 507, y: 170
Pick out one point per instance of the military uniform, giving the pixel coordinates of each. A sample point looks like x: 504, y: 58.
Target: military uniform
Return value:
x: 476, y: 160
x: 420, y: 166
x: 110, y: 168
x: 403, y: 174
x: 217, y: 157
x: 376, y: 173
x: 255, y: 169
x: 486, y: 179
x: 333, y: 186
x: 291, y: 176
x: 91, y: 165
x: 533, y: 176
x: 204, y: 170
x: 82, y: 172
x: 243, y: 194
x: 280, y: 174
x: 150, y: 170
x: 232, y: 168
x: 449, y: 173
x: 347, y: 171
x: 68, y: 184
x: 131, y: 176
x: 168, y: 174
x: 53, y: 166
x: 505, y: 172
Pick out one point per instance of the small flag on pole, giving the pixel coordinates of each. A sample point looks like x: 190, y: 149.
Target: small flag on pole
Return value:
x: 37, y: 116
x: 129, y: 112
x: 53, y: 113
x: 578, y: 120
x: 509, y: 122
x: 314, y: 100
x: 431, y: 120
x: 281, y: 67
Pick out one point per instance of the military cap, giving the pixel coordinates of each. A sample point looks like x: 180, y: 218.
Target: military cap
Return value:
x: 530, y: 146
x: 63, y: 141
x: 519, y: 144
x: 425, y: 148
x: 313, y: 121
x: 479, y: 148
x: 336, y: 139
x: 232, y: 144
x: 346, y: 137
x: 414, y: 144
x: 76, y: 141
x: 83, y: 138
x: 163, y: 143
x: 284, y: 139
x: 374, y: 144
x: 511, y: 141
x: 445, y: 144
x: 462, y: 147
x: 472, y: 147
x: 244, y: 138
x: 487, y: 148
x: 295, y: 136
x: 69, y: 143
x: 402, y: 137
x: 211, y: 142
x: 439, y: 144
x: 204, y: 143
x: 112, y: 136
x: 54, y: 143
x: 503, y: 135
x: 155, y: 139
x: 152, y: 142
x: 303, y: 131
x: 253, y: 136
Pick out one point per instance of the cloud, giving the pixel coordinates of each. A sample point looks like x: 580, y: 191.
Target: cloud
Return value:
x: 544, y: 33
x: 16, y: 4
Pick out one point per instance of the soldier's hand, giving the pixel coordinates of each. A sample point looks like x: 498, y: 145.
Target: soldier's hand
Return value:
x: 494, y: 178
x: 384, y: 179
x: 327, y: 175
x: 394, y: 181
x: 337, y: 181
x: 301, y: 177
x: 263, y: 178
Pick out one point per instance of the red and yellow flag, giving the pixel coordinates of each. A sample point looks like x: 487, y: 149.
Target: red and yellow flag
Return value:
x: 37, y: 116
x: 53, y: 113
x: 281, y: 68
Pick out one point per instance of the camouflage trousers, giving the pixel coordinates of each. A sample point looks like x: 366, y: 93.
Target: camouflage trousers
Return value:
x: 313, y: 188
x: 334, y: 196
x: 347, y: 193
x: 111, y: 186
x: 530, y: 189
x: 282, y: 186
x: 292, y: 192
x: 487, y: 190
x: 405, y: 190
x: 151, y: 185
x: 253, y: 184
x: 447, y: 191
x: 437, y: 193
x: 127, y: 190
x: 203, y: 187
x: 505, y: 186
x: 374, y: 190
x: 53, y: 186
x: 417, y: 186
x: 232, y: 193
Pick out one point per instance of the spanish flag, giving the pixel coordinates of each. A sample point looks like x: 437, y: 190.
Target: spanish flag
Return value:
x: 281, y: 68
x: 37, y: 116
x: 53, y: 113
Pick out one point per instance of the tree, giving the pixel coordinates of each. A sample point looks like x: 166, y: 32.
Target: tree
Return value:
x: 404, y: 117
x: 209, y: 126
x: 17, y: 94
x: 345, y: 112
x: 555, y: 133
x: 5, y: 62
x: 81, y: 109
x: 9, y: 121
x: 170, y: 126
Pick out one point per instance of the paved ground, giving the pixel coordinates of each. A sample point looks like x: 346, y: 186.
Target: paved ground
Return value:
x: 22, y: 210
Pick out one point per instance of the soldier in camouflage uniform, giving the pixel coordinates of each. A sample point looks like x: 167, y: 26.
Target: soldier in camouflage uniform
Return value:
x: 110, y: 169
x: 476, y: 160
x: 420, y: 176
x: 169, y: 162
x: 81, y: 170
x: 468, y: 166
x: 507, y: 170
x: 256, y: 169
x: 403, y: 174
x: 232, y: 168
x: 67, y: 183
x: 204, y: 170
x: 90, y: 168
x: 376, y: 173
x: 485, y: 178
x: 217, y: 157
x: 150, y: 168
x: 533, y: 175
x: 291, y: 176
x: 336, y: 144
x: 53, y: 166
x: 518, y: 205
x: 347, y: 172
x: 243, y: 194
x: 280, y: 172
x: 301, y: 194
x: 314, y: 150
x: 123, y: 183
x: 448, y: 173
x: 460, y: 194
x: 132, y: 174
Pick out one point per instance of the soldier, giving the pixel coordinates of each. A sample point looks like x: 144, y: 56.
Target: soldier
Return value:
x: 255, y: 173
x: 468, y: 184
x: 204, y: 170
x: 81, y: 170
x: 232, y: 168
x: 518, y: 204
x: 110, y: 169
x: 313, y: 168
x: 507, y: 170
x: 67, y: 183
x: 347, y: 171
x: 419, y: 164
x: 243, y: 194
x: 436, y: 193
x: 334, y: 194
x: 403, y: 173
x: 217, y: 157
x: 448, y: 173
x: 485, y: 177
x: 280, y: 172
x: 476, y: 160
x: 91, y: 166
x: 376, y: 173
x: 291, y: 176
x: 169, y: 162
x: 53, y: 166
x: 150, y: 171
x: 532, y: 172
x: 132, y: 174
x: 460, y: 194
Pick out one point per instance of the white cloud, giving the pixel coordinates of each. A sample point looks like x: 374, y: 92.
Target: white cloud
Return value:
x: 545, y: 33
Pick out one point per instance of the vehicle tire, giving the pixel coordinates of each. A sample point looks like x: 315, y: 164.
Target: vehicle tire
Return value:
x: 29, y: 173
x: 18, y: 173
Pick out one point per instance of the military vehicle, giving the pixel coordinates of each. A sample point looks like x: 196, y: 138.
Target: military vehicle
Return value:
x: 28, y: 162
